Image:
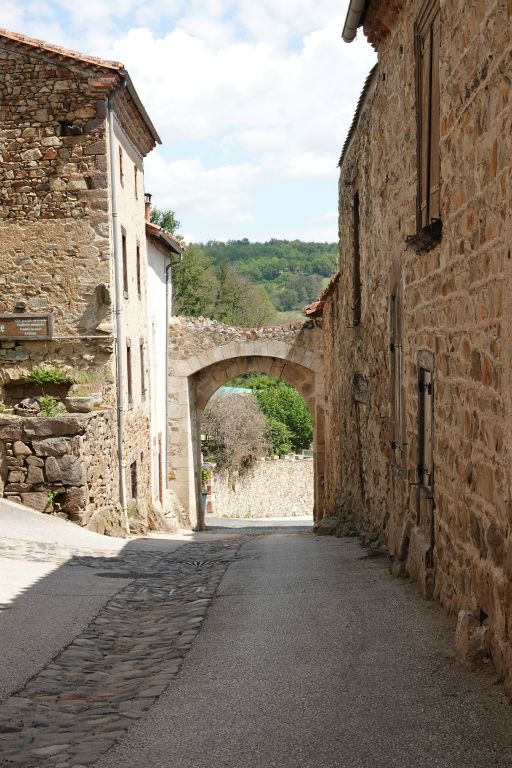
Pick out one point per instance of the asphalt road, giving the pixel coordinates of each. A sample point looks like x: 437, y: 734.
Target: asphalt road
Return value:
x: 313, y: 655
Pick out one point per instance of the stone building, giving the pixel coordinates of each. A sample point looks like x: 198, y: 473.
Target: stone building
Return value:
x: 417, y: 323
x: 74, y: 267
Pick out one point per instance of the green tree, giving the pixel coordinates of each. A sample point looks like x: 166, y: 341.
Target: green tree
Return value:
x: 282, y: 402
x: 279, y: 436
x: 194, y: 285
x: 239, y: 302
x: 165, y: 219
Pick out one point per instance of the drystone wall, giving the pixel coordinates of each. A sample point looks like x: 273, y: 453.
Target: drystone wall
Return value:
x: 454, y: 305
x: 63, y: 465
x: 273, y: 488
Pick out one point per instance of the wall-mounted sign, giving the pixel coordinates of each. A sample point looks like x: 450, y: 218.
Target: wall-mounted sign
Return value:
x: 23, y: 327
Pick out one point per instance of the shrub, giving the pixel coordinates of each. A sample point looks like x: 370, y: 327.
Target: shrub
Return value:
x: 47, y: 374
x: 279, y: 436
x: 49, y: 405
x: 3, y: 407
x: 235, y: 432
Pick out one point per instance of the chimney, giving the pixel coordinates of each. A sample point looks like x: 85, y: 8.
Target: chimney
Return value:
x: 147, y: 203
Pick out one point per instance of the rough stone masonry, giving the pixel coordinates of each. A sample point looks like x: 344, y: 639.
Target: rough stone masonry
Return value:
x: 419, y: 383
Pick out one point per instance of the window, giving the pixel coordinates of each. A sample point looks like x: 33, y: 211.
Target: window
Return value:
x: 357, y: 264
x: 425, y: 420
x: 136, y: 181
x: 427, y: 31
x: 139, y: 284
x: 396, y: 378
x: 129, y: 381
x: 142, y: 372
x: 125, y: 264
x: 133, y: 479
x: 121, y: 175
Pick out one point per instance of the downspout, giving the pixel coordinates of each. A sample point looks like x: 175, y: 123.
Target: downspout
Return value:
x: 355, y: 14
x: 119, y: 301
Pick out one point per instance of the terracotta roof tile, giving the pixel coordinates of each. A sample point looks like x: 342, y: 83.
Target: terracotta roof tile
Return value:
x: 316, y: 308
x: 355, y: 120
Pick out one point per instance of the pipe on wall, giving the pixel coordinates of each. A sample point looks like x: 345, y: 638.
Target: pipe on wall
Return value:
x: 355, y: 13
x: 119, y: 299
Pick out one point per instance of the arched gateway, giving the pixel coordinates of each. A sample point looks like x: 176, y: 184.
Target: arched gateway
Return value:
x: 204, y: 355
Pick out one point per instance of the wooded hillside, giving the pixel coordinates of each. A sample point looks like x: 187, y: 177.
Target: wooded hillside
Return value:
x: 292, y: 272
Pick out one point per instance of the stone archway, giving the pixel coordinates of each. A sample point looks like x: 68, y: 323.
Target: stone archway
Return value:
x: 204, y: 355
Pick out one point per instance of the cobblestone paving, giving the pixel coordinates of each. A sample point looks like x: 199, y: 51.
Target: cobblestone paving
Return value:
x: 16, y: 549
x: 81, y: 703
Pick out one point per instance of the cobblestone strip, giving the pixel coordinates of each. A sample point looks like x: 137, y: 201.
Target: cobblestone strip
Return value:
x: 76, y: 708
x: 17, y: 549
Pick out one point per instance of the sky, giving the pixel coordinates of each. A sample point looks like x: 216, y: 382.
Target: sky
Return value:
x: 252, y: 101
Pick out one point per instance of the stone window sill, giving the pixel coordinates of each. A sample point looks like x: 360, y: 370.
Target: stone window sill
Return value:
x: 427, y: 238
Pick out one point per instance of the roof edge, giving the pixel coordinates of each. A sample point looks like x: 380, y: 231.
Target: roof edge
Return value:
x: 153, y: 230
x: 105, y: 65
x: 354, y: 19
x: 357, y: 114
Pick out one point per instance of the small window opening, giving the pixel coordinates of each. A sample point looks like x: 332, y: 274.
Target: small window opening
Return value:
x: 136, y: 181
x: 142, y: 372
x: 121, y: 173
x: 357, y: 264
x: 133, y: 480
x: 129, y: 380
x: 139, y: 282
x: 125, y: 265
x: 426, y: 414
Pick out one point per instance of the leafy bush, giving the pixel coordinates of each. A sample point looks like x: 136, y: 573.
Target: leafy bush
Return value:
x: 3, y: 407
x: 49, y: 405
x: 47, y: 374
x: 205, y: 478
x: 279, y: 436
x: 280, y: 401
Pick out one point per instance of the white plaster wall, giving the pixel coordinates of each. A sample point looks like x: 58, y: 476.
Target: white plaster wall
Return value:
x: 131, y: 219
x: 157, y: 321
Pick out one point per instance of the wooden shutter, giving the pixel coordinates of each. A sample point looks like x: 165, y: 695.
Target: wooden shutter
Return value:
x: 434, y: 202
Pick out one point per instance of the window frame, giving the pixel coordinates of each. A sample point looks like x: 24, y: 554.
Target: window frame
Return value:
x: 142, y: 359
x: 129, y: 373
x: 138, y: 271
x: 121, y: 171
x: 124, y: 256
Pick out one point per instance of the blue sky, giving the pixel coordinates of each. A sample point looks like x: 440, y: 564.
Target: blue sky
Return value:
x: 252, y: 101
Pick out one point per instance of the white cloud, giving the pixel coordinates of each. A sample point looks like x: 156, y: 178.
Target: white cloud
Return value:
x: 244, y: 93
x: 187, y: 185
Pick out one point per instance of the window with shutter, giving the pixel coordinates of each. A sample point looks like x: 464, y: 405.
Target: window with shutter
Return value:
x: 428, y: 28
x: 425, y: 420
x: 396, y: 379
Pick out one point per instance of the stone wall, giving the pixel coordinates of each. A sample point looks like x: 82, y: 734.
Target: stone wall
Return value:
x: 54, y: 252
x: 64, y: 465
x: 274, y: 488
x: 204, y: 355
x: 454, y: 304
